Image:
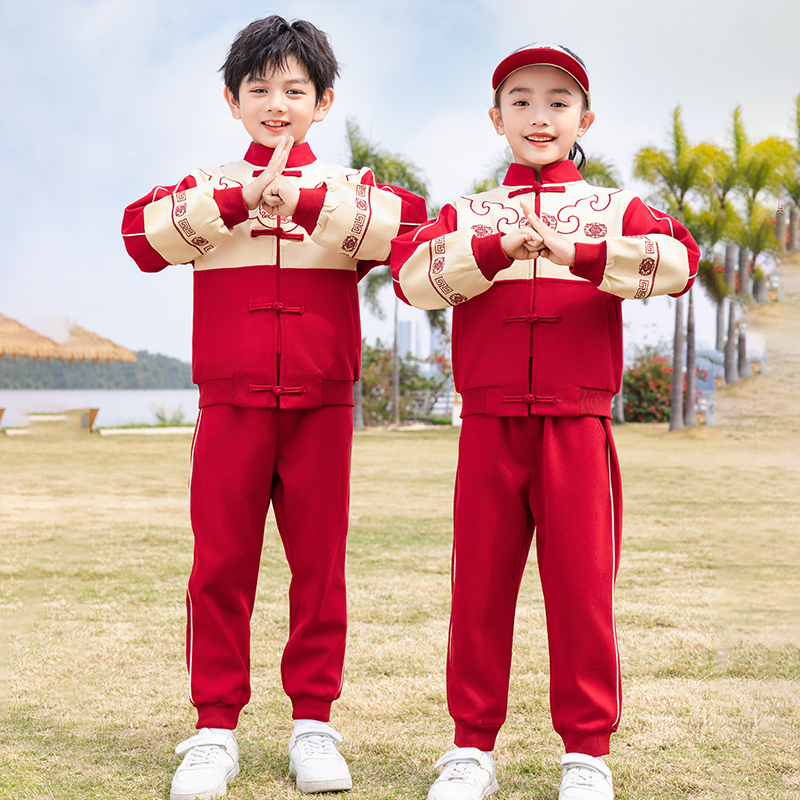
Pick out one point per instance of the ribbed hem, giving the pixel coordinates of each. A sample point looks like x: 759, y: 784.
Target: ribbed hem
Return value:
x: 591, y: 744
x: 231, y: 205
x: 482, y: 737
x: 309, y: 207
x: 489, y: 255
x: 590, y: 261
x: 218, y: 715
x: 311, y: 708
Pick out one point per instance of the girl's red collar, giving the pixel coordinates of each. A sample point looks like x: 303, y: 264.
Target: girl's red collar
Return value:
x: 559, y: 172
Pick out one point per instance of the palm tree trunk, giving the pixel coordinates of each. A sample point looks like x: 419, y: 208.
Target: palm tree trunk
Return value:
x: 690, y: 416
x: 744, y: 276
x: 731, y: 369
x: 780, y: 224
x: 676, y: 400
x: 395, y: 373
x: 793, y: 227
x: 744, y: 363
x: 358, y: 406
x: 720, y: 343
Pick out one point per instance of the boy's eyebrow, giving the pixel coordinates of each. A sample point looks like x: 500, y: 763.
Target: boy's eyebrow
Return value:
x: 259, y: 78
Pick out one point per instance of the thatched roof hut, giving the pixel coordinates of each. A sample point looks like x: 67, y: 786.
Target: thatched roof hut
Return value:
x: 17, y: 340
x: 84, y: 345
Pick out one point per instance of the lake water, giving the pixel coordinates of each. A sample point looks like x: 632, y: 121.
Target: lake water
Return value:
x: 117, y: 406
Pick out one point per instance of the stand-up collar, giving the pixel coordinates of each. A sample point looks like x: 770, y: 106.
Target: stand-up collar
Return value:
x: 559, y: 172
x: 299, y: 156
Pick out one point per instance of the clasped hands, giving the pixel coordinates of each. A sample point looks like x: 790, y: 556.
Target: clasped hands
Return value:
x: 538, y: 239
x: 270, y: 187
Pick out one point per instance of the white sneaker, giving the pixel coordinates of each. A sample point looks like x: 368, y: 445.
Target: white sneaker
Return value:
x: 585, y: 778
x: 211, y: 762
x: 467, y: 774
x: 314, y: 761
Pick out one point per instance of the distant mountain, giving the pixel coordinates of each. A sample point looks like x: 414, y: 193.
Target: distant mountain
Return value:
x: 149, y: 371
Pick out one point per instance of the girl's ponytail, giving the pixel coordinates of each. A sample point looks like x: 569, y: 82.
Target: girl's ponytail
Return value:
x: 577, y: 149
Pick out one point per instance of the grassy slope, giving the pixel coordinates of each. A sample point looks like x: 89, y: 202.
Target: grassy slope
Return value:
x: 95, y: 550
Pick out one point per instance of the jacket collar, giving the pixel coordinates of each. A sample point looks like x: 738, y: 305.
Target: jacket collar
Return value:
x: 559, y: 172
x: 299, y: 156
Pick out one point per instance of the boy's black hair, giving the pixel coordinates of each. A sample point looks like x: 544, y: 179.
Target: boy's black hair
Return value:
x: 266, y: 44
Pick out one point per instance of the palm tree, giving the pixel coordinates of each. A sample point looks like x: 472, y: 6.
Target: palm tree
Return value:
x: 675, y: 174
x: 760, y: 172
x: 790, y: 178
x: 388, y: 168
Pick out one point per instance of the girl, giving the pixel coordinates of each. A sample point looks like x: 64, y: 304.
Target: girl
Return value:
x: 537, y: 269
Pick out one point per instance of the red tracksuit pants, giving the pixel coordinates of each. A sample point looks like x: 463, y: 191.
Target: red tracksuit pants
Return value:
x: 559, y: 477
x: 243, y: 458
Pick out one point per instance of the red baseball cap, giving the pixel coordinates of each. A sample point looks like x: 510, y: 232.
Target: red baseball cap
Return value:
x: 550, y: 55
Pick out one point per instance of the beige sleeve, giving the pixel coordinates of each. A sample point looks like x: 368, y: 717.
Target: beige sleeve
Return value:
x: 645, y: 266
x: 358, y: 220
x: 186, y: 224
x: 437, y: 272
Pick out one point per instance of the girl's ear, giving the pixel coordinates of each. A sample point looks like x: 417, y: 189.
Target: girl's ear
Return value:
x: 497, y: 120
x: 586, y: 122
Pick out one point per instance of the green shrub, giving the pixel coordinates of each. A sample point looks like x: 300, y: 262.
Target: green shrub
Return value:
x: 646, y: 386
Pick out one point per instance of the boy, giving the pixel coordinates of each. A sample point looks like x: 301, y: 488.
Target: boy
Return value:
x: 537, y: 357
x: 277, y: 254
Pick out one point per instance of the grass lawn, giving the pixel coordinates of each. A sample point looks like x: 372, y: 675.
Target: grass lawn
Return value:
x: 95, y: 550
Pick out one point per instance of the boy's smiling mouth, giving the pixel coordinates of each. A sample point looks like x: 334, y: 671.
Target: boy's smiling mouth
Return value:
x: 540, y: 137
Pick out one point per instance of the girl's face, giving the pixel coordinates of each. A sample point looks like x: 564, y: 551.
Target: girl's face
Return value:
x: 541, y: 113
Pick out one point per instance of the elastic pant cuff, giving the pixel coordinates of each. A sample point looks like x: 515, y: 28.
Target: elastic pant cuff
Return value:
x: 591, y: 744
x: 481, y: 736
x: 218, y: 715
x: 311, y: 708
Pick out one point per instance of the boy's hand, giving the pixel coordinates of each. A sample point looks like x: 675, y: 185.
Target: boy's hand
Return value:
x: 281, y: 196
x: 255, y: 189
x: 555, y: 246
x: 521, y: 244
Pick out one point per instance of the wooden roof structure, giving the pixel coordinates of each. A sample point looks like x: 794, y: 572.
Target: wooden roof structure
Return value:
x: 84, y: 345
x: 18, y: 340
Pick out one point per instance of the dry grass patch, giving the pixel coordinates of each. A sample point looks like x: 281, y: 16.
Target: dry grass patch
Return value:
x: 95, y: 549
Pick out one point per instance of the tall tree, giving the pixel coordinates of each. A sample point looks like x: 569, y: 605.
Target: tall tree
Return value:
x: 394, y: 169
x: 790, y: 178
x: 674, y: 173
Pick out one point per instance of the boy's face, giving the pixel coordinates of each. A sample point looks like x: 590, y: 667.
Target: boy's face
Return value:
x: 281, y: 104
x: 541, y: 114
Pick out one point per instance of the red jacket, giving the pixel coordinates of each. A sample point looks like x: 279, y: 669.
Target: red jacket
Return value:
x: 532, y: 337
x: 276, y: 317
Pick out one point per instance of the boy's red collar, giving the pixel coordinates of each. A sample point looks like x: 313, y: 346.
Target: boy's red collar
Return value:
x: 559, y: 172
x: 299, y: 156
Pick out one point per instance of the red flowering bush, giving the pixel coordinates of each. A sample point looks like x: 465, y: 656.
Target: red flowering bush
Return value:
x: 646, y: 386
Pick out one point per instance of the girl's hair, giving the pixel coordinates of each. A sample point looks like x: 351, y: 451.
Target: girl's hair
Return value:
x: 576, y: 148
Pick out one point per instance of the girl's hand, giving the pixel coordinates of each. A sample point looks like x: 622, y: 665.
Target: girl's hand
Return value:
x: 556, y: 247
x: 255, y: 189
x: 521, y: 244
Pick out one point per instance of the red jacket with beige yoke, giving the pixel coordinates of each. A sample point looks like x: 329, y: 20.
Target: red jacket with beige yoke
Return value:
x: 532, y: 337
x: 276, y: 318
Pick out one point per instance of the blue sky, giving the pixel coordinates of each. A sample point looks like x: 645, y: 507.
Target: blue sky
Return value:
x: 103, y: 99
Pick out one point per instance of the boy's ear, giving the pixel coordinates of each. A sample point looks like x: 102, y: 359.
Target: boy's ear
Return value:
x: 232, y: 104
x: 324, y: 105
x: 586, y: 122
x: 497, y: 120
